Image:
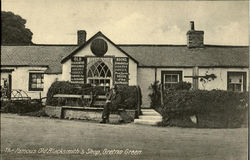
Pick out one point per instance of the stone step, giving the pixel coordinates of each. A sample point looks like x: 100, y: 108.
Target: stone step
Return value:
x: 150, y: 113
x: 150, y: 117
x: 146, y: 122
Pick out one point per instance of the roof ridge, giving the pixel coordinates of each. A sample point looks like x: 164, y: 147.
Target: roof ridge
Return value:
x: 176, y: 45
x: 56, y: 45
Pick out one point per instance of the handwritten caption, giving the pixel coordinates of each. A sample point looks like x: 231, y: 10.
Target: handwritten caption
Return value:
x: 89, y: 151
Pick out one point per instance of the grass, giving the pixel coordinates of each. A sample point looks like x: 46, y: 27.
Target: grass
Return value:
x: 33, y: 133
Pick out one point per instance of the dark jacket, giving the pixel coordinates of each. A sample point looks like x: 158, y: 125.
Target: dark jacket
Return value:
x: 115, y: 98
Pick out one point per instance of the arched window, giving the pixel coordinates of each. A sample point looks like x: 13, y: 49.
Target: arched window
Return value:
x: 99, y: 74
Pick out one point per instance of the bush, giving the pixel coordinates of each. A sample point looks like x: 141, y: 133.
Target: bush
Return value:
x: 128, y: 93
x: 223, y: 108
x: 65, y: 87
x: 155, y: 96
x: 22, y: 106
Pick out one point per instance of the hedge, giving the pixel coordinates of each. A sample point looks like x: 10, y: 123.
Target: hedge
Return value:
x: 128, y: 93
x: 22, y: 106
x: 214, y: 108
x: 155, y: 95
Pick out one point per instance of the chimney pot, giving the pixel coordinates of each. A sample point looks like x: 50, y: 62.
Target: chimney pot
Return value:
x: 192, y: 25
x: 81, y: 37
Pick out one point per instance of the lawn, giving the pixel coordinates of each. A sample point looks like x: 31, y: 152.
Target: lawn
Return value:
x: 22, y: 137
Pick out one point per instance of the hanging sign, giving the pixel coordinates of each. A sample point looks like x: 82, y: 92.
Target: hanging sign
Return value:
x: 121, y: 70
x: 78, y: 69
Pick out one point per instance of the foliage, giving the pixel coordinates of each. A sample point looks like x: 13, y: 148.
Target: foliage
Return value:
x: 22, y: 106
x: 226, y: 107
x: 14, y: 31
x: 65, y: 87
x: 155, y: 95
x: 128, y: 93
x: 182, y: 85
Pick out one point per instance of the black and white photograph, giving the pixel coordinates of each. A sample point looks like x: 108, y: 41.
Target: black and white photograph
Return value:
x: 124, y: 79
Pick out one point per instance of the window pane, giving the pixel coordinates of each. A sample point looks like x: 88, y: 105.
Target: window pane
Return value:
x: 167, y: 78
x: 39, y: 80
x: 33, y: 86
x: 34, y: 80
x: 33, y: 76
x: 231, y: 87
x: 174, y: 78
x: 238, y: 87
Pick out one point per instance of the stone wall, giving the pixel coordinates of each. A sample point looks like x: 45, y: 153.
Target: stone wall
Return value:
x: 88, y: 114
x: 53, y: 111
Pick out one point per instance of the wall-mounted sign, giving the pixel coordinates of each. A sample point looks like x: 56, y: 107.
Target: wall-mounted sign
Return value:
x: 121, y: 70
x: 99, y: 47
x: 78, y: 69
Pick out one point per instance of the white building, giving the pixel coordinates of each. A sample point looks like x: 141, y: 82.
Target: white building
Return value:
x: 102, y: 62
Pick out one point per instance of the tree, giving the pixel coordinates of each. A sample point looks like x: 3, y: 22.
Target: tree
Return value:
x: 14, y: 31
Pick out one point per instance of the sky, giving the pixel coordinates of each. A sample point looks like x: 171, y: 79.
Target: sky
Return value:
x: 134, y: 21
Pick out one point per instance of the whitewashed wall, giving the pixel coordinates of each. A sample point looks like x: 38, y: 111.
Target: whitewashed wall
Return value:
x: 221, y: 81
x: 146, y: 76
x: 112, y: 51
x: 48, y: 80
x: 20, y: 79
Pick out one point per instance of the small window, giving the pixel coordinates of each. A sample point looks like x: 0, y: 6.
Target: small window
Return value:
x: 36, y: 82
x: 171, y: 78
x: 236, y: 81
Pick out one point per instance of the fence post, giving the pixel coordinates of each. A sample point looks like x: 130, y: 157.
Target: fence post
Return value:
x: 138, y: 101
x: 161, y: 91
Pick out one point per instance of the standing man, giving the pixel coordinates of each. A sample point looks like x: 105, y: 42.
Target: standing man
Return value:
x: 112, y: 102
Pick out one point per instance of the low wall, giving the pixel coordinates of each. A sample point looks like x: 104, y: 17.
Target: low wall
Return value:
x: 88, y: 114
x: 53, y: 111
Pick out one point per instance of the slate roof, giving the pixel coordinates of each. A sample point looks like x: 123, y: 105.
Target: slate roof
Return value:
x: 146, y: 55
x: 37, y: 55
x: 182, y: 56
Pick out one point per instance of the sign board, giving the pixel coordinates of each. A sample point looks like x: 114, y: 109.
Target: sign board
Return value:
x: 121, y: 70
x: 78, y: 69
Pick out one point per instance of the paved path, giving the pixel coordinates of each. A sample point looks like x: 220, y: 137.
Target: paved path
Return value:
x: 27, y: 134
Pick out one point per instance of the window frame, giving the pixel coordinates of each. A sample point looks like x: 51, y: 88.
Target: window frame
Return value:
x: 244, y: 83
x: 30, y: 82
x: 163, y: 73
x: 107, y: 74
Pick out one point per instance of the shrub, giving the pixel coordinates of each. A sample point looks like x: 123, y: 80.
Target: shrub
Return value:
x: 155, y: 96
x: 128, y: 93
x: 22, y: 106
x: 224, y: 108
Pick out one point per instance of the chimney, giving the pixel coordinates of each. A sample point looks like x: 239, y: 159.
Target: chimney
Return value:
x: 81, y: 37
x: 194, y: 37
x: 192, y: 25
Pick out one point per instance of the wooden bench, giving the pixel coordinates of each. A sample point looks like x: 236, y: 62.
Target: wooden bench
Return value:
x: 96, y: 101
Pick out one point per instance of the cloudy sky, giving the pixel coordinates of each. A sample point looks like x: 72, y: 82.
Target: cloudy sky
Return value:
x: 133, y: 22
